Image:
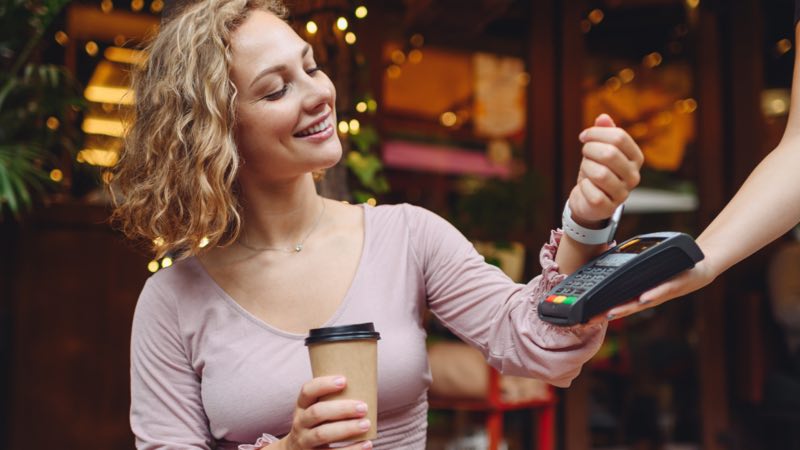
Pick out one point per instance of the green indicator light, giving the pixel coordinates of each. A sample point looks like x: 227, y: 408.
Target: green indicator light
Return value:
x: 570, y: 300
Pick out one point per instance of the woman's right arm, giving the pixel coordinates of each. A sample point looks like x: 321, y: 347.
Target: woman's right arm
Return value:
x: 166, y: 406
x: 765, y: 207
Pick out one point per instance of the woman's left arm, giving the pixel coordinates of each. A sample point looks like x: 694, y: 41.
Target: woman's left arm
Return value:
x: 481, y: 305
x: 608, y: 172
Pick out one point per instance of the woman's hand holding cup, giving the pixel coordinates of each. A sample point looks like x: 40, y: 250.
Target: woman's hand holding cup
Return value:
x: 318, y: 423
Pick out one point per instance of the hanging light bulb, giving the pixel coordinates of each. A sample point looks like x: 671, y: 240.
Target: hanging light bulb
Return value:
x: 596, y: 16
x: 311, y: 27
x: 355, y: 126
x: 448, y: 118
x: 61, y: 38
x: 91, y: 48
x: 52, y: 123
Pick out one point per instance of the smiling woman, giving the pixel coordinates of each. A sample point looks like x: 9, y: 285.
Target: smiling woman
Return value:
x: 285, y: 104
x: 233, y: 116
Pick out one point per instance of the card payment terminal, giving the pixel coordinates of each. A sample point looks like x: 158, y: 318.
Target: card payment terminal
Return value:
x: 619, y: 275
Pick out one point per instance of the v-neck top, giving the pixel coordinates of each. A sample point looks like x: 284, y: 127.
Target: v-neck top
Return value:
x: 206, y: 373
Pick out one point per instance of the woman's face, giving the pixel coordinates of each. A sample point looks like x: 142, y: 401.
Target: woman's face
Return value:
x: 286, y: 119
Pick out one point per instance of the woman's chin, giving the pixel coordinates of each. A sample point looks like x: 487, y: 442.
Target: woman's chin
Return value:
x: 330, y: 159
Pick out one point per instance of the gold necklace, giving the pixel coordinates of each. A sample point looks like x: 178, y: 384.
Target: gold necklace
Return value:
x: 296, y: 248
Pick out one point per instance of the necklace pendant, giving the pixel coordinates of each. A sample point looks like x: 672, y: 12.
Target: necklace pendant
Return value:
x: 298, y: 247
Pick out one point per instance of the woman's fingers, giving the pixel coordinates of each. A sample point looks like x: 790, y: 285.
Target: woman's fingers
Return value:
x: 319, y: 387
x: 614, y: 161
x: 616, y: 137
x: 596, y: 320
x: 604, y: 120
x: 626, y: 309
x: 682, y: 284
x: 328, y: 433
x: 358, y: 446
x: 318, y: 423
x: 605, y: 180
x: 331, y: 410
x: 668, y: 290
x: 589, y: 202
x: 609, y: 170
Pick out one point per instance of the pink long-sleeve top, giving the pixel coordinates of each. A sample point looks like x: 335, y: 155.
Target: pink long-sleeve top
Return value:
x: 205, y: 373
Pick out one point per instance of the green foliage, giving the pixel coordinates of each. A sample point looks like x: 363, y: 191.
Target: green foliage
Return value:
x: 366, y: 166
x: 19, y: 174
x: 498, y: 210
x: 31, y: 92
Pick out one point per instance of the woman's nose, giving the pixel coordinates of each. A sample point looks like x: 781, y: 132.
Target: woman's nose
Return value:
x: 319, y: 92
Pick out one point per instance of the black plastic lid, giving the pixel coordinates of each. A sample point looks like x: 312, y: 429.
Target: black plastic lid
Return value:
x: 342, y: 333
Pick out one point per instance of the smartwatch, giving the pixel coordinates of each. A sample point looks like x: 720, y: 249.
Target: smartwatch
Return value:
x: 589, y: 236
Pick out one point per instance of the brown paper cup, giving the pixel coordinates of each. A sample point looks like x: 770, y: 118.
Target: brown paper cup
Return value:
x: 351, y: 351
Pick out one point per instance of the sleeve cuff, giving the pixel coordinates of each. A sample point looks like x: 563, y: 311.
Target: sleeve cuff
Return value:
x: 549, y: 279
x: 547, y: 258
x: 263, y: 441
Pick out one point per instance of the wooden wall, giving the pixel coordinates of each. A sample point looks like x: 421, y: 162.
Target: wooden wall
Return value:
x: 73, y: 285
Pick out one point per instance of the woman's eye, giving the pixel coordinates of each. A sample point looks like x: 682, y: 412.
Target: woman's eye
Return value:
x: 276, y: 95
x: 314, y: 70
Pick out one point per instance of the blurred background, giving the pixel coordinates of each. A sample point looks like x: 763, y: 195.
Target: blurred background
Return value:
x: 471, y: 109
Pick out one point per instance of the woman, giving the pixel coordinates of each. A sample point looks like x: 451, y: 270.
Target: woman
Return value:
x: 765, y: 208
x: 232, y: 117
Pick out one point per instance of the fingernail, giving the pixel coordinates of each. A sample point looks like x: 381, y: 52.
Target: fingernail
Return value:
x: 367, y: 444
x: 611, y: 316
x: 643, y: 301
x: 338, y: 381
x: 361, y: 407
x: 583, y: 134
x: 364, y: 424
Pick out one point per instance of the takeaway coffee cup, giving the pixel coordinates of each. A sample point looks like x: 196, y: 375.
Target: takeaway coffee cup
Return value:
x: 351, y: 351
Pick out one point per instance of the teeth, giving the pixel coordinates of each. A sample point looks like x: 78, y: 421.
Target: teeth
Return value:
x: 315, y: 129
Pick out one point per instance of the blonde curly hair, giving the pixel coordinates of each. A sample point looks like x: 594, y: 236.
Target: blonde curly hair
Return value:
x: 175, y: 180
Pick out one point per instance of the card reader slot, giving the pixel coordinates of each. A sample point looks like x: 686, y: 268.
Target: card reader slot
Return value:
x: 672, y: 262
x: 558, y: 320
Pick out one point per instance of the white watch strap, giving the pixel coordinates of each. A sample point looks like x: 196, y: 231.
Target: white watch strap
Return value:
x: 589, y: 236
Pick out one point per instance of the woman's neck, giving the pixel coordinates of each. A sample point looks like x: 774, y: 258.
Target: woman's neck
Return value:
x: 279, y: 215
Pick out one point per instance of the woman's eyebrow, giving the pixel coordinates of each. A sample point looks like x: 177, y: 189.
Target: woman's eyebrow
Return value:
x: 279, y: 67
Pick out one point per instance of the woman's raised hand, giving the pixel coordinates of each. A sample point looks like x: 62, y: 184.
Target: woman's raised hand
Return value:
x: 608, y: 172
x: 317, y: 424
